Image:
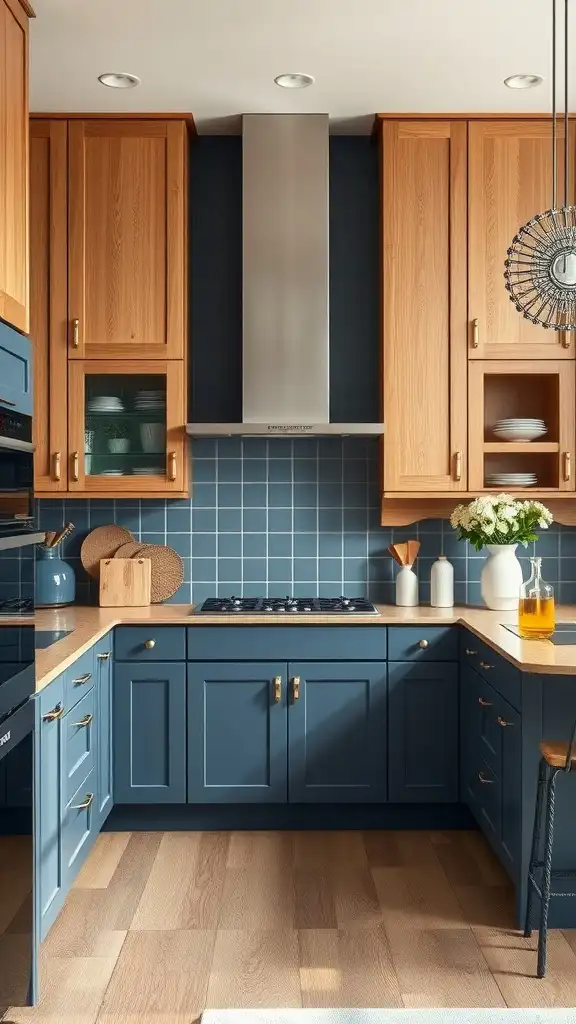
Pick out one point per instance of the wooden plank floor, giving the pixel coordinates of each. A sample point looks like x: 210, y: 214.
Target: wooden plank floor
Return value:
x: 161, y: 925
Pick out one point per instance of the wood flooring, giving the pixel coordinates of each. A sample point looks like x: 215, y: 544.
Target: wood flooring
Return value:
x: 160, y: 926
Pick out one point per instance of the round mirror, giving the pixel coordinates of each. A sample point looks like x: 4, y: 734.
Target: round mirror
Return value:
x: 563, y: 269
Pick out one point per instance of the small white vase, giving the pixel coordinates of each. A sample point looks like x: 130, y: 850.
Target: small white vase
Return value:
x: 406, y: 587
x: 501, y: 578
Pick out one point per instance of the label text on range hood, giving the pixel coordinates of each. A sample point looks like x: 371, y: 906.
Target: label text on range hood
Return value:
x: 289, y: 428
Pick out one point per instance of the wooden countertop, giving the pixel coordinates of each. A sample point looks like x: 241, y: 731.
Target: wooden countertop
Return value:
x: 87, y: 625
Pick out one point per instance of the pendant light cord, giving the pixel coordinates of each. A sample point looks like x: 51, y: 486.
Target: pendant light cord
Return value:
x: 554, y: 141
x: 565, y: 102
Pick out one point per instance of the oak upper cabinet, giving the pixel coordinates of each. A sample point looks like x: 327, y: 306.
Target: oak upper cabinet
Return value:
x: 48, y: 301
x: 509, y: 181
x: 424, y: 305
x: 14, y: 164
x: 127, y: 239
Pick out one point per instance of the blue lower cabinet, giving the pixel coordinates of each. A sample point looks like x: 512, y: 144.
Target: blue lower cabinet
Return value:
x: 511, y: 810
x: 423, y: 732
x: 49, y: 803
x: 237, y: 732
x: 103, y: 727
x: 149, y: 730
x: 337, y: 732
x: 79, y: 827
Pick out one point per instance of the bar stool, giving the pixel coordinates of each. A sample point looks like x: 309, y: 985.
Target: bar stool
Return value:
x: 554, y: 758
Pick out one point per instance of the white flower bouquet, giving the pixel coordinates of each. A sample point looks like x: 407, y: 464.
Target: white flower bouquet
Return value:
x: 500, y: 519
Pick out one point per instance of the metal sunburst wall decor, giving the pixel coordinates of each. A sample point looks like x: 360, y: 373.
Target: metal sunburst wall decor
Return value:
x: 540, y: 268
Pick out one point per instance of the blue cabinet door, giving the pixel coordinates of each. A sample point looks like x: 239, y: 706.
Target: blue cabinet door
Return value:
x: 237, y: 732
x: 423, y: 732
x: 510, y: 725
x: 149, y: 730
x: 49, y: 804
x: 337, y: 732
x: 104, y: 766
x: 15, y: 371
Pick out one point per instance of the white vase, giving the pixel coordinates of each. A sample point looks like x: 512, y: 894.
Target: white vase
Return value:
x: 406, y: 587
x: 501, y: 578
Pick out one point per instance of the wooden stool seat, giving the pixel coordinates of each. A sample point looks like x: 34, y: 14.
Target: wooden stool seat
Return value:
x: 555, y: 754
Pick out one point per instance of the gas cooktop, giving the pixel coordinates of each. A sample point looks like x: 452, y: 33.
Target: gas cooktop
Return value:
x: 287, y: 606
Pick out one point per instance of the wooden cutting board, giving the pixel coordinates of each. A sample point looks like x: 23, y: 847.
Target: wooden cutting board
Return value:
x: 125, y: 582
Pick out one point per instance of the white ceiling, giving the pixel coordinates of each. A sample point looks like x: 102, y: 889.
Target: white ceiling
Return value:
x: 218, y: 58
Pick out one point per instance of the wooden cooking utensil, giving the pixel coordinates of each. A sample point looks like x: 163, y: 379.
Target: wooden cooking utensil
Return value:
x: 125, y: 582
x: 413, y: 549
x: 49, y: 537
x: 61, y: 535
x: 399, y: 553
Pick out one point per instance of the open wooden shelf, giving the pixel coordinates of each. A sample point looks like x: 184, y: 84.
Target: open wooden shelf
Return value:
x: 521, y: 447
x: 407, y: 508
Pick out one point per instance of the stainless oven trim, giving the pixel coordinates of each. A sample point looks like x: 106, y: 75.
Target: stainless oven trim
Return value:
x: 15, y: 445
x: 20, y: 540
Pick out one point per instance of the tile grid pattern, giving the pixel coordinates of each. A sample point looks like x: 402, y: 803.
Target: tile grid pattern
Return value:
x: 301, y: 516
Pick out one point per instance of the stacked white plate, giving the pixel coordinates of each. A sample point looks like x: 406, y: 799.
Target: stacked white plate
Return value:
x: 105, y: 403
x: 511, y: 480
x: 519, y: 429
x: 150, y: 400
x: 146, y: 471
x: 111, y: 472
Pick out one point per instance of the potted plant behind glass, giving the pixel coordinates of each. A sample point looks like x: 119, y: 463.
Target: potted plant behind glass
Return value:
x: 499, y: 523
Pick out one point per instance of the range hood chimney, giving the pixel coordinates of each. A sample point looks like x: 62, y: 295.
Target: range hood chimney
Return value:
x: 286, y: 344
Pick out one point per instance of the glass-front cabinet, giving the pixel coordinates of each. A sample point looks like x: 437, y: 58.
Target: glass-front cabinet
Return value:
x: 126, y: 427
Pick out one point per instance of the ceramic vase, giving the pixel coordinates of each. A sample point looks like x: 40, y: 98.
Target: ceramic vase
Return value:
x: 55, y: 579
x: 501, y: 578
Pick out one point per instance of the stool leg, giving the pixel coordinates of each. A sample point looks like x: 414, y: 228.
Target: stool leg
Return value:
x: 547, y: 873
x: 535, y: 847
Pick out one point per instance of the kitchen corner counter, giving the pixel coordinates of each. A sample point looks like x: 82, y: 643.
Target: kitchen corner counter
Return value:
x: 89, y: 624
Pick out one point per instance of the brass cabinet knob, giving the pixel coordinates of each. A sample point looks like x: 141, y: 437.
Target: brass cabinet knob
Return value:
x: 423, y: 644
x: 484, y: 703
x: 75, y: 332
x: 56, y: 712
x: 149, y: 644
x: 57, y: 466
x: 75, y: 466
x: 458, y: 466
x: 296, y: 688
x: 172, y: 466
x: 567, y: 466
x: 277, y: 689
x: 475, y: 333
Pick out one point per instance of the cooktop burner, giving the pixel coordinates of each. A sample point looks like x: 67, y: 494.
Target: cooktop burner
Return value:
x: 287, y: 605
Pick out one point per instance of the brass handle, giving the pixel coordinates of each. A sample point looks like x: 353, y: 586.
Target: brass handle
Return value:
x: 57, y: 463
x: 75, y: 466
x: 484, y: 703
x: 105, y: 656
x: 296, y: 688
x: 6, y: 402
x: 565, y: 340
x: 502, y: 721
x: 149, y: 644
x: 485, y: 665
x: 75, y: 333
x: 423, y: 644
x: 172, y: 466
x: 84, y: 721
x: 56, y: 712
x: 475, y: 333
x: 567, y: 465
x: 277, y: 689
x: 483, y: 779
x: 458, y: 466
x: 469, y: 652
x: 82, y: 679
x: 85, y: 803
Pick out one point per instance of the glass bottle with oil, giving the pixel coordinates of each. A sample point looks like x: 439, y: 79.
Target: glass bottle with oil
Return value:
x: 536, y: 618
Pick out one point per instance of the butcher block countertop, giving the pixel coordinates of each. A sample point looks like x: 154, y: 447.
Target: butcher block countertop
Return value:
x: 88, y: 624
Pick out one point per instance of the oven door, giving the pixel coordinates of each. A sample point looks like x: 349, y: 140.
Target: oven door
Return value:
x: 16, y: 473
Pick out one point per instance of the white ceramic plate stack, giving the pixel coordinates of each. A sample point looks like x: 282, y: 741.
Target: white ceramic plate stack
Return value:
x: 511, y: 480
x: 148, y: 400
x: 147, y: 471
x: 105, y: 403
x: 520, y: 430
x: 111, y: 472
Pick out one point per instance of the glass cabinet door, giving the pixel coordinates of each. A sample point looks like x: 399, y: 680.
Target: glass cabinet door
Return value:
x: 127, y: 427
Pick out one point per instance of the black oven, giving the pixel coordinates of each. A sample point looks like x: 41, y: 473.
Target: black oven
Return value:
x: 16, y: 473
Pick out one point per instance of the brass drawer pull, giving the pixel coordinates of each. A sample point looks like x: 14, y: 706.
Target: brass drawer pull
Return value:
x: 56, y: 712
x: 75, y: 333
x: 277, y: 689
x: 475, y: 333
x: 458, y: 466
x: 149, y: 644
x: 484, y: 780
x: 423, y: 644
x: 485, y: 665
x: 85, y: 803
x: 484, y: 703
x: 567, y: 466
x: 57, y: 464
x: 105, y: 656
x: 502, y: 721
x: 470, y: 653
x: 75, y: 466
x: 84, y: 721
x: 296, y: 688
x: 82, y: 679
x: 172, y: 466
x: 565, y: 340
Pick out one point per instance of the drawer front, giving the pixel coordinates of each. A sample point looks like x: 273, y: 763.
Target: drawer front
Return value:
x: 79, y: 738
x: 287, y: 643
x: 78, y: 679
x: 486, y: 787
x: 504, y: 677
x: 77, y: 827
x: 150, y: 643
x: 422, y: 643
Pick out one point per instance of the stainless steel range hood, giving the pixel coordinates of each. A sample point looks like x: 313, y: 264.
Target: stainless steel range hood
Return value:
x: 286, y: 369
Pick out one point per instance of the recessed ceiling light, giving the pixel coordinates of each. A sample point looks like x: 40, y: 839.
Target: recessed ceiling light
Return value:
x: 294, y: 80
x: 523, y: 81
x: 119, y: 80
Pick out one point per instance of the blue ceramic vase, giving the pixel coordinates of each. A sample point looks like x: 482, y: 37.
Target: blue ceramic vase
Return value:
x: 55, y: 579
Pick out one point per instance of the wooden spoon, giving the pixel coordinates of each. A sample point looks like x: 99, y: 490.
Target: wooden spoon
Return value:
x: 413, y: 549
x: 399, y: 553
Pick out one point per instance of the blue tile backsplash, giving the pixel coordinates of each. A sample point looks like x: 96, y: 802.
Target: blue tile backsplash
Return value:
x: 281, y: 515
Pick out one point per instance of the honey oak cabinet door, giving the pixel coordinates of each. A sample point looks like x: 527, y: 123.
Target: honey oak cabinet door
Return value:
x: 48, y: 302
x: 127, y: 239
x: 509, y: 181
x: 14, y: 164
x: 424, y: 305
